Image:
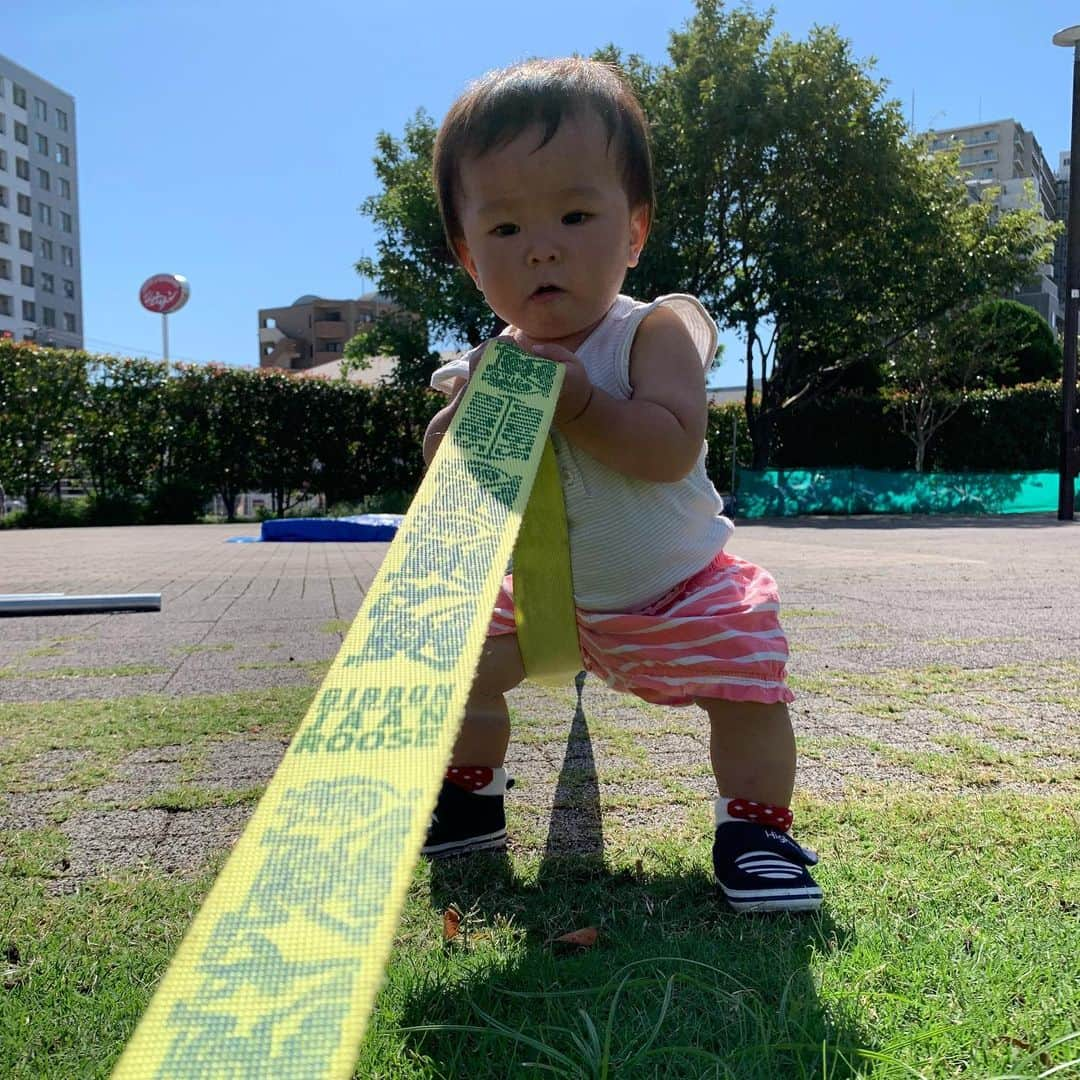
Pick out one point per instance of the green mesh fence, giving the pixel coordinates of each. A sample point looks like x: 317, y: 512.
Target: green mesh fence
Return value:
x: 790, y: 492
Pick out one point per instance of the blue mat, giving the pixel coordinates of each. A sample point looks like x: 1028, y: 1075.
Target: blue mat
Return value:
x: 361, y: 527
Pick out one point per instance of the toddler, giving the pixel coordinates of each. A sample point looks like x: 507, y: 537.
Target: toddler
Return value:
x: 544, y: 181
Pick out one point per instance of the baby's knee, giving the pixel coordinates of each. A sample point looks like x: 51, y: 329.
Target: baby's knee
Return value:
x: 500, y: 668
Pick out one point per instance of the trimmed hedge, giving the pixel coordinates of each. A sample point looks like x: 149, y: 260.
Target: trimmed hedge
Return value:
x: 155, y: 442
x: 1013, y: 429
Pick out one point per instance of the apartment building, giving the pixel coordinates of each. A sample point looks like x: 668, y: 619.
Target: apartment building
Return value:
x: 40, y: 264
x: 312, y: 332
x: 1005, y: 155
x: 1061, y: 245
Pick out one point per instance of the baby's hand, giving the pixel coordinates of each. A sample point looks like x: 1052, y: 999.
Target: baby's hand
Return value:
x: 577, y: 388
x: 478, y: 354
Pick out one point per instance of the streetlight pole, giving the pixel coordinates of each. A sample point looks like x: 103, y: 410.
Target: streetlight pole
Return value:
x: 1070, y: 38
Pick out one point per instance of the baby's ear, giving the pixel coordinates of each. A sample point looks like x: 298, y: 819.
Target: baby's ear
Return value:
x: 640, y: 221
x: 461, y: 250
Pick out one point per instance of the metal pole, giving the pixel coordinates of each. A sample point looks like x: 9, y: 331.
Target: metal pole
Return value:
x: 165, y: 336
x: 1067, y: 467
x: 60, y: 604
x: 734, y: 449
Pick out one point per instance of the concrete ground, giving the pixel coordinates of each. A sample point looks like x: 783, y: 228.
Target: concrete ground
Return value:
x: 936, y: 654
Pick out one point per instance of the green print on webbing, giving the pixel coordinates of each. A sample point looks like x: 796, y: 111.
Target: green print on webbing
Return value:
x: 320, y: 871
x: 297, y: 928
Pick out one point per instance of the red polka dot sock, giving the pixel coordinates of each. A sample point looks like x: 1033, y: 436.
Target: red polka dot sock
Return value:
x: 776, y: 817
x: 479, y: 779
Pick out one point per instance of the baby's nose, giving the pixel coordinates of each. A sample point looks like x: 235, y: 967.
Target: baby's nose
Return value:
x: 543, y: 253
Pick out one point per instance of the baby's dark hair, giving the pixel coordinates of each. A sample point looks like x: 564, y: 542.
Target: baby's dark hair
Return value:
x: 499, y: 107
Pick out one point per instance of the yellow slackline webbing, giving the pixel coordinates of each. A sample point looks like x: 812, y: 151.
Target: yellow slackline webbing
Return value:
x: 278, y: 972
x: 543, y: 586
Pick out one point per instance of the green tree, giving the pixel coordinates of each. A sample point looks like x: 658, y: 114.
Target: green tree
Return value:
x: 794, y: 203
x: 792, y: 200
x: 414, y: 267
x: 283, y: 423
x: 41, y: 394
x: 930, y: 372
x: 121, y: 435
x: 1018, y: 335
x: 215, y: 417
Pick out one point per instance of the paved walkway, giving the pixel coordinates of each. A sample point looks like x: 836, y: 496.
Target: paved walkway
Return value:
x: 927, y: 654
x: 865, y: 594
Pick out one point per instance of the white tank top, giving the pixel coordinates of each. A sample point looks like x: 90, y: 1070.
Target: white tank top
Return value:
x: 631, y: 540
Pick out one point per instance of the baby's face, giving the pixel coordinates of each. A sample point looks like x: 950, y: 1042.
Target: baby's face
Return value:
x: 549, y: 233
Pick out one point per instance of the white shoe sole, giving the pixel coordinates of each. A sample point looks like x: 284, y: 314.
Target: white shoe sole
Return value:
x: 464, y: 847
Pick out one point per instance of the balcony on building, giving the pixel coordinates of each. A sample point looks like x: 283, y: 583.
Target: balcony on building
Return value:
x: 331, y: 330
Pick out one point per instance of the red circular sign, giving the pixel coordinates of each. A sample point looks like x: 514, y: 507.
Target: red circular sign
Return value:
x: 164, y: 293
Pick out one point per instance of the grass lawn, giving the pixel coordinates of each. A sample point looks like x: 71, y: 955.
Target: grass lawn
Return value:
x: 949, y: 944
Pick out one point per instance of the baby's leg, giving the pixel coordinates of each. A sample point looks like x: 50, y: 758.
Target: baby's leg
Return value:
x: 757, y: 865
x: 752, y: 747
x: 469, y: 814
x: 485, y: 731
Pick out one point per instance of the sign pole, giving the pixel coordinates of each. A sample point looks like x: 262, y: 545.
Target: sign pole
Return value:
x: 164, y: 294
x: 1070, y: 38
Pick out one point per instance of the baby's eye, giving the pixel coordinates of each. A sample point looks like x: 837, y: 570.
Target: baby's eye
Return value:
x: 506, y: 229
x: 576, y: 217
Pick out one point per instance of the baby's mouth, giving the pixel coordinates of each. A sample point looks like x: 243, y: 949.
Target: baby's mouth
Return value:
x: 546, y: 290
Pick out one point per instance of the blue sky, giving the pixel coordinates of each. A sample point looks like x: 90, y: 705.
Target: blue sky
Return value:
x: 231, y: 142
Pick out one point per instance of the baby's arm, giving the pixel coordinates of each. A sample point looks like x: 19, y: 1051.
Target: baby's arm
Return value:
x: 441, y: 420
x: 657, y: 434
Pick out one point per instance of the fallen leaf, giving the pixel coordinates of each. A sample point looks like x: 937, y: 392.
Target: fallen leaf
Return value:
x: 584, y: 939
x: 451, y: 923
x: 1044, y: 1057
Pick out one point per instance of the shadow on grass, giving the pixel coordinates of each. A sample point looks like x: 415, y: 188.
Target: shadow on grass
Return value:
x: 674, y: 986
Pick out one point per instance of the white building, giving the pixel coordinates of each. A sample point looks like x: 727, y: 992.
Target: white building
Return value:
x: 1003, y: 154
x: 40, y: 265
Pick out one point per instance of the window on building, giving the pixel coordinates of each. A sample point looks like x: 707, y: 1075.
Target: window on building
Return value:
x: 23, y: 202
x: 28, y: 311
x: 22, y: 168
x: 47, y: 282
x: 5, y: 233
x: 4, y: 196
x: 5, y: 269
x: 65, y: 222
x: 18, y: 95
x: 3, y: 161
x: 65, y: 188
x: 61, y: 119
x: 26, y: 276
x: 26, y: 240
x: 1, y: 86
x: 44, y: 213
x: 69, y: 289
x: 43, y: 179
x: 63, y: 154
x: 45, y: 247
x: 69, y: 322
x: 7, y: 305
x: 41, y: 110
x: 22, y: 133
x: 42, y: 144
x: 67, y: 255
x: 48, y: 316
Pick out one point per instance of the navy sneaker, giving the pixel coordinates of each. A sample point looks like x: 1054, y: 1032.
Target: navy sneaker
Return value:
x: 761, y: 869
x: 465, y: 821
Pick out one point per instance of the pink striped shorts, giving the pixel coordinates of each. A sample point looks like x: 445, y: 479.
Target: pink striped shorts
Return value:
x: 715, y: 635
